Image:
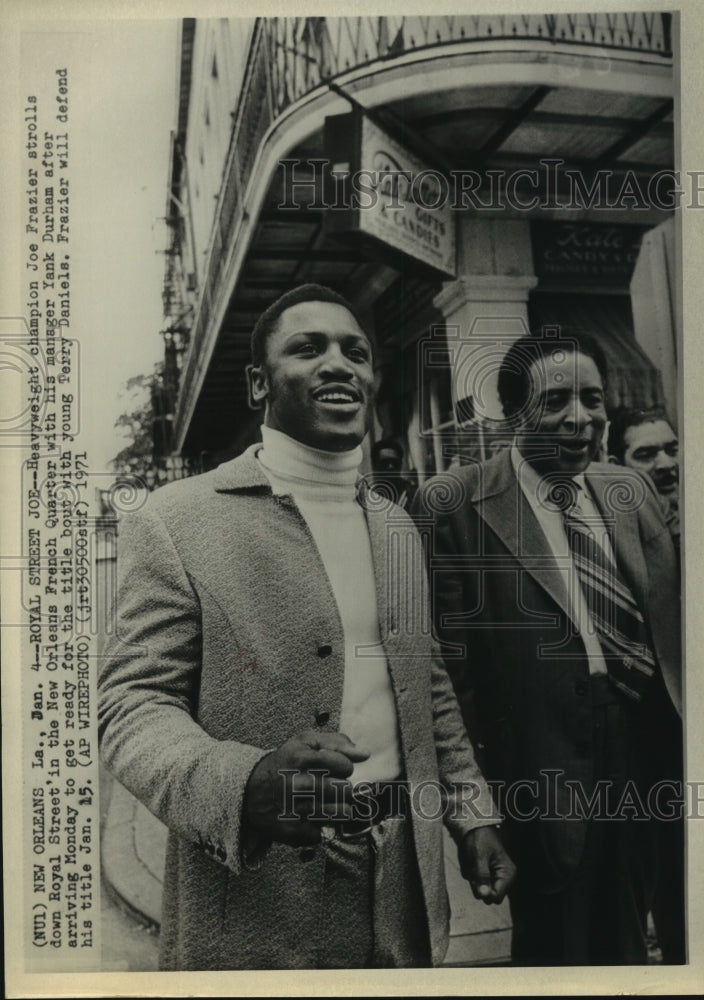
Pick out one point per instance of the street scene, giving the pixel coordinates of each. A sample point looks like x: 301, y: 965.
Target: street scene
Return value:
x: 460, y: 186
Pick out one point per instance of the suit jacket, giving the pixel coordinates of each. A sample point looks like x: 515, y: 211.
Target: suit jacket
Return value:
x: 517, y: 662
x: 228, y: 642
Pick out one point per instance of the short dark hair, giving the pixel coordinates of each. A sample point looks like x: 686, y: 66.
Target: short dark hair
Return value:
x: 386, y: 444
x: 514, y: 379
x: 624, y: 418
x: 268, y: 321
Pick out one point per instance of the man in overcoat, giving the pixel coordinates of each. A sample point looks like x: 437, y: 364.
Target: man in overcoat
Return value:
x: 273, y: 683
x: 557, y: 601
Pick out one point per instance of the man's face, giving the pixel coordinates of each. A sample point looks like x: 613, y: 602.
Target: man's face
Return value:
x: 317, y: 379
x: 653, y: 448
x: 563, y: 423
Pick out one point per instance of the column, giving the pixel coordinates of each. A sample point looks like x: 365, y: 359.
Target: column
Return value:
x: 486, y: 307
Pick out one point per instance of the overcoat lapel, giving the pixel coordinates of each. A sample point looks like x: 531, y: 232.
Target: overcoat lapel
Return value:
x: 503, y: 506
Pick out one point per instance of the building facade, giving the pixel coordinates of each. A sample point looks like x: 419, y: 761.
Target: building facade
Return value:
x: 463, y: 180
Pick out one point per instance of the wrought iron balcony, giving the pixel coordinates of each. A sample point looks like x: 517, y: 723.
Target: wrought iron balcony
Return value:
x: 305, y: 52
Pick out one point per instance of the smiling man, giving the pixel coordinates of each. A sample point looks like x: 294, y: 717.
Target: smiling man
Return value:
x: 272, y: 695
x: 644, y: 440
x: 556, y: 596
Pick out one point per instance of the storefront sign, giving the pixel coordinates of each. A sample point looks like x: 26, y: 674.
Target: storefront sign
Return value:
x: 378, y: 188
x: 586, y: 251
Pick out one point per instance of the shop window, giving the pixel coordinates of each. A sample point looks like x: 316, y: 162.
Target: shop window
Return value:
x: 449, y: 431
x: 436, y: 424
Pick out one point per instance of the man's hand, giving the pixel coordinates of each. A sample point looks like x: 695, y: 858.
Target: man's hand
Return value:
x: 486, y: 865
x: 291, y: 790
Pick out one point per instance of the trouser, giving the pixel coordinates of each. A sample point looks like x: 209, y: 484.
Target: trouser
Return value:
x: 668, y: 902
x: 599, y: 917
x: 373, y: 914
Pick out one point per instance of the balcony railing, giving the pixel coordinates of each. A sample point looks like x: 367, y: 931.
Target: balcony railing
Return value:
x: 290, y: 57
x: 307, y: 51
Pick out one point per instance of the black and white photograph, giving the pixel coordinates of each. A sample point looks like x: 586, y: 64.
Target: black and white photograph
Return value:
x: 350, y: 628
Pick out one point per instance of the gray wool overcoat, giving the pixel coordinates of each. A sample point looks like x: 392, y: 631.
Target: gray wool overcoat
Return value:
x: 228, y: 642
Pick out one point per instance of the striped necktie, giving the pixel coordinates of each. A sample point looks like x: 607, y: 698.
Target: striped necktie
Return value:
x: 619, y: 624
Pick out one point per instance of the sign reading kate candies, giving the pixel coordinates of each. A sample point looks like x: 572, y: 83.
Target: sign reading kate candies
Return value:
x: 380, y: 190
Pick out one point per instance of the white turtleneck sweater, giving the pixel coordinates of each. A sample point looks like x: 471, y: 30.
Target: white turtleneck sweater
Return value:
x: 323, y: 485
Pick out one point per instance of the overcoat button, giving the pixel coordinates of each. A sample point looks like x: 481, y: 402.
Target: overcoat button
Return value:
x: 306, y: 853
x: 322, y: 718
x: 581, y: 688
x: 324, y: 651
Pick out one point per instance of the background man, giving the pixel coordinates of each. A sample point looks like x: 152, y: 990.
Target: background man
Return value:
x: 556, y: 592
x: 268, y: 663
x: 388, y: 478
x: 645, y: 440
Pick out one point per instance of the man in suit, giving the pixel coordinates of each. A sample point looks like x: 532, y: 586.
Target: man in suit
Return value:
x: 272, y: 695
x: 557, y: 601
